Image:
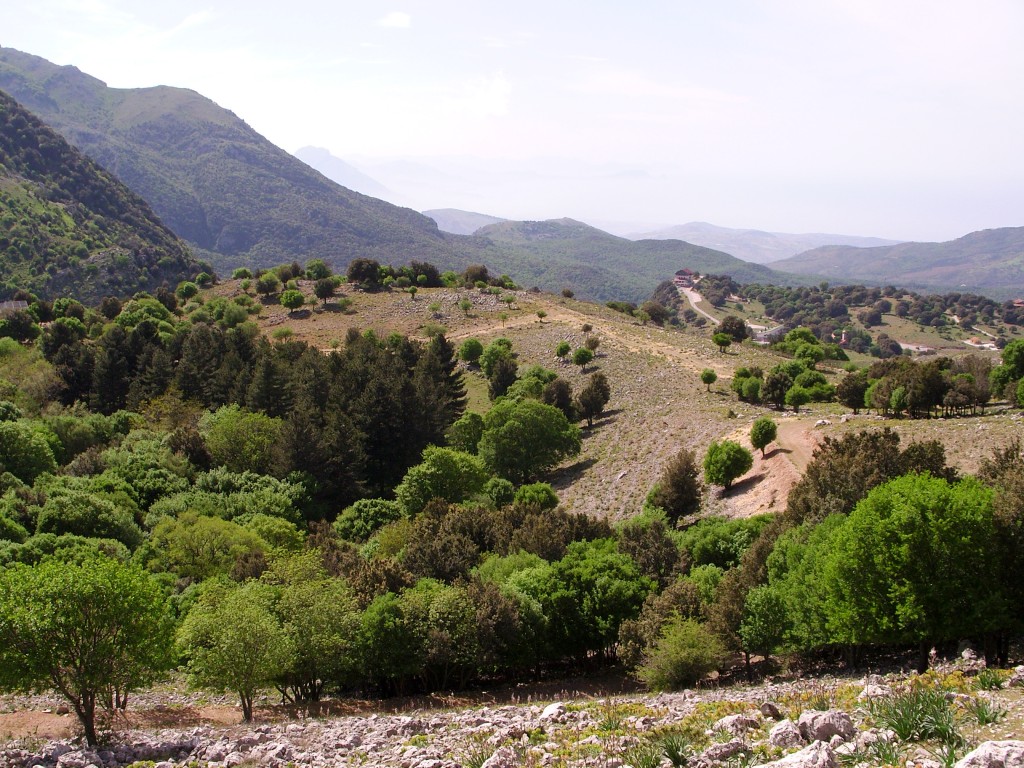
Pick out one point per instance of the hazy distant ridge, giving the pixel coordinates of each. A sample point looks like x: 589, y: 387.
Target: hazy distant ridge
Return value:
x: 340, y: 172
x: 989, y: 262
x: 756, y: 245
x: 461, y: 222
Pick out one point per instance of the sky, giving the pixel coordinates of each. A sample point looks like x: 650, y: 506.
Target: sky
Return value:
x: 889, y: 118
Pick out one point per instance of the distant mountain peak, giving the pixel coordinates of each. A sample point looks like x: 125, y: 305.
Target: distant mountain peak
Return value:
x: 755, y: 245
x: 212, y: 179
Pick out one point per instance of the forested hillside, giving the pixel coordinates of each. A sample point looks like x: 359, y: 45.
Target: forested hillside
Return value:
x: 212, y: 179
x: 262, y: 512
x: 603, y: 267
x: 67, y: 227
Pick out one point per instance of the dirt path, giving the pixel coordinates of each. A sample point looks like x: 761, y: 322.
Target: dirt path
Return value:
x: 766, y: 486
x: 694, y: 298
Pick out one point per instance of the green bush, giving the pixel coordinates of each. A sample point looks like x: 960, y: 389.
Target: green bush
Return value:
x: 361, y: 520
x: 540, y: 494
x: 685, y: 653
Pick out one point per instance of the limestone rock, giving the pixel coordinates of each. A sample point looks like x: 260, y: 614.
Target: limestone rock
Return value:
x: 719, y: 753
x: 785, y: 734
x: 505, y: 757
x: 553, y: 711
x: 822, y: 726
x: 995, y: 754
x: 817, y: 755
x: 737, y: 725
x: 873, y: 691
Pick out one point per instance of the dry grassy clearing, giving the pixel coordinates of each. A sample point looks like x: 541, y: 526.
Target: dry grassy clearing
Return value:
x: 658, y: 403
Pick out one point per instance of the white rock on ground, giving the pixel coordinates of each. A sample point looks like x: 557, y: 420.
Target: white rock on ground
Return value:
x: 817, y: 755
x: 785, y: 734
x: 737, y: 725
x: 995, y: 754
x: 822, y: 726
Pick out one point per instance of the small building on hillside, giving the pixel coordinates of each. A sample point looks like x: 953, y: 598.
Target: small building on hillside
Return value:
x: 10, y: 307
x: 685, y: 278
x: 769, y: 335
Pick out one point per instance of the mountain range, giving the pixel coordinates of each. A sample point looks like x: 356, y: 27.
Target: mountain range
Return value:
x: 989, y: 262
x: 573, y: 254
x: 755, y: 245
x: 238, y: 200
x: 211, y: 178
x: 67, y: 227
x: 461, y: 222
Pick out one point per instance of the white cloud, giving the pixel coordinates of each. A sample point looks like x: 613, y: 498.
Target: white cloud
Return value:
x: 395, y: 20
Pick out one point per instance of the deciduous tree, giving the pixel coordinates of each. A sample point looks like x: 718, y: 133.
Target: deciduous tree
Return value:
x: 233, y: 641
x: 522, y: 439
x: 725, y: 461
x: 92, y: 630
x: 763, y: 432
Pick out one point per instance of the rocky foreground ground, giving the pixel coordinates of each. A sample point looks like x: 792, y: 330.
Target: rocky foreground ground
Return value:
x: 823, y: 724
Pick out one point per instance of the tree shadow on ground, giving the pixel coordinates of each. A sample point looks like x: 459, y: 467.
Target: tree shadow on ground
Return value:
x: 744, y: 485
x: 565, y: 476
x: 774, y: 451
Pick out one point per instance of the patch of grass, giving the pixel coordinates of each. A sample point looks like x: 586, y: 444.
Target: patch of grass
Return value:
x: 984, y: 711
x: 646, y: 754
x: 989, y: 680
x: 677, y: 748
x: 820, y: 697
x: 919, y: 714
x: 476, y: 753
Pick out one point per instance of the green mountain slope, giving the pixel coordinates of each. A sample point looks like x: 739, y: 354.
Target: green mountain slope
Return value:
x: 67, y: 227
x: 601, y: 266
x: 989, y: 262
x: 212, y: 179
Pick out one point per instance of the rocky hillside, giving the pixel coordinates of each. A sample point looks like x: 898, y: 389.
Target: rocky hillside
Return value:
x: 212, y: 179
x: 989, y: 262
x: 67, y: 227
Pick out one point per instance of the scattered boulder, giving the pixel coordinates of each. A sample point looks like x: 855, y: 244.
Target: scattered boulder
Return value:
x: 737, y: 725
x: 785, y: 734
x: 1017, y: 678
x: 770, y: 709
x: 874, y: 691
x: 817, y: 755
x: 553, y: 711
x: 505, y: 757
x: 79, y: 758
x: 995, y: 754
x: 822, y: 726
x: 719, y: 753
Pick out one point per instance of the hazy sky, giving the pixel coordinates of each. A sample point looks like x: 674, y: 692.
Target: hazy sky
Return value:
x: 894, y: 118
